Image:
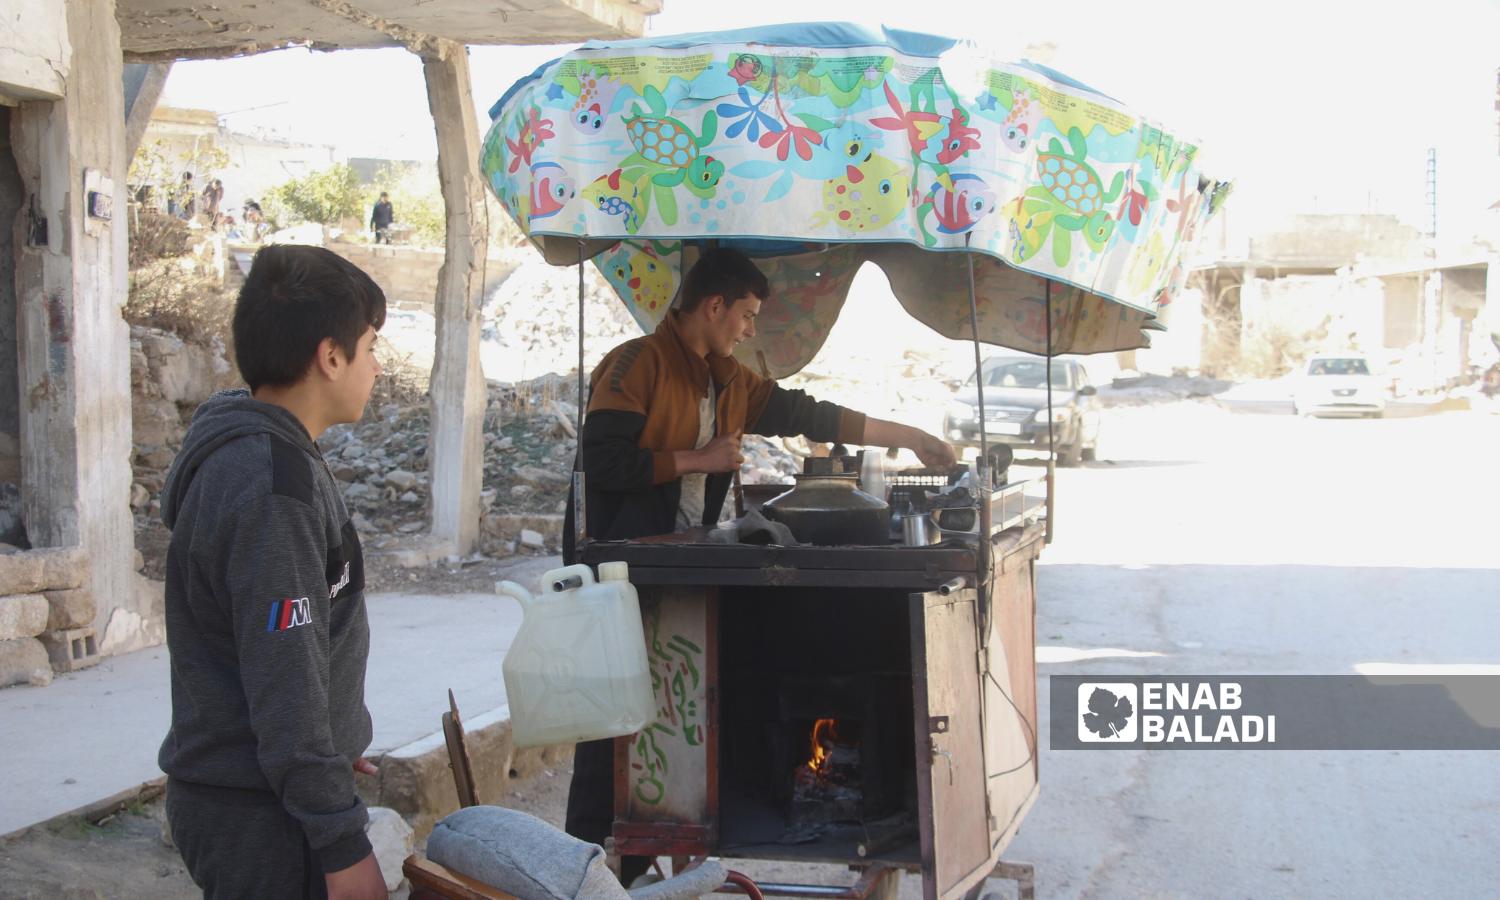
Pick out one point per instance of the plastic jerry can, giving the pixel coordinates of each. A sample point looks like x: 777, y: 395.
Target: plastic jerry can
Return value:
x: 577, y: 670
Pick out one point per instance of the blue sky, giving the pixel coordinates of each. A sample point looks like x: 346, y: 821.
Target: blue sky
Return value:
x: 1309, y: 106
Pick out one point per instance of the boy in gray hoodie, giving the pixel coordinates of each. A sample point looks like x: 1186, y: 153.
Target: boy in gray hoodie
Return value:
x: 265, y: 602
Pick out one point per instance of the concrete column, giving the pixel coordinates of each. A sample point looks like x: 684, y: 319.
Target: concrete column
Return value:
x: 73, y: 346
x: 143, y: 87
x: 456, y: 447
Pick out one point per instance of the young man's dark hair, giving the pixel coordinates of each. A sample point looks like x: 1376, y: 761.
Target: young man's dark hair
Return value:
x: 723, y: 273
x: 295, y: 297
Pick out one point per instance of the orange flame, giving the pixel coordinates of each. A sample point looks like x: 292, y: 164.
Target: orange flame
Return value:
x: 821, y: 728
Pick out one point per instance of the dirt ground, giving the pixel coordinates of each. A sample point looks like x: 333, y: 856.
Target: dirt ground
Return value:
x: 126, y: 855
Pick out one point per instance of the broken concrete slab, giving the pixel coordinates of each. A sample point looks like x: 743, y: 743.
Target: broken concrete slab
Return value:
x: 507, y: 525
x: 24, y: 661
x: 417, y: 782
x: 52, y: 568
x: 20, y: 573
x: 69, y: 609
x: 400, y: 479
x: 71, y: 649
x: 393, y: 841
x: 22, y: 616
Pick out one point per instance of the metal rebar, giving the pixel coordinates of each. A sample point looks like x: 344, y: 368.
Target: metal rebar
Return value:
x: 1051, y: 437
x: 580, y: 353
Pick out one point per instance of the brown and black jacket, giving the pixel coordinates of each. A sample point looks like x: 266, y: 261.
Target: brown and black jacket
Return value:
x: 643, y: 405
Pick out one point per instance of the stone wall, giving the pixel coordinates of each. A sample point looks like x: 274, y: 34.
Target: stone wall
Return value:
x: 409, y: 275
x: 46, y: 615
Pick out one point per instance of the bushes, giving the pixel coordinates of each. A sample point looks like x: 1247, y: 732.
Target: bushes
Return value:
x: 172, y: 295
x: 155, y: 235
x: 326, y: 196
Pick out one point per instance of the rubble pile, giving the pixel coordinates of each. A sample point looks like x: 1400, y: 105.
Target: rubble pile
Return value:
x: 1137, y: 389
x: 531, y: 322
x: 169, y: 377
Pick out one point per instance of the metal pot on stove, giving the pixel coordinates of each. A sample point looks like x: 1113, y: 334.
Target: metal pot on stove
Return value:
x: 827, y: 508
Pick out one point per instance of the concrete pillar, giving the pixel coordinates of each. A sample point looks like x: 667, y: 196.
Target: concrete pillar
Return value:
x: 73, y: 346
x: 456, y: 447
x: 143, y: 87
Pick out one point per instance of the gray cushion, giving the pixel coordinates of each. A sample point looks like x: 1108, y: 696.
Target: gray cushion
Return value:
x: 522, y: 855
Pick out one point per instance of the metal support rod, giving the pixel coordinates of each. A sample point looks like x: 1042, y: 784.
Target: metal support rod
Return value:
x: 1051, y: 437
x: 870, y: 880
x: 580, y: 354
x: 580, y: 502
x: 982, y: 491
x: 984, y: 440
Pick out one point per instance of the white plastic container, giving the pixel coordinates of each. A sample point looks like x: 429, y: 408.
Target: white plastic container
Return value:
x: 577, y: 669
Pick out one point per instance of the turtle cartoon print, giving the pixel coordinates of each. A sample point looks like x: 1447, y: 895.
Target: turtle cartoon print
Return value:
x: 1070, y: 198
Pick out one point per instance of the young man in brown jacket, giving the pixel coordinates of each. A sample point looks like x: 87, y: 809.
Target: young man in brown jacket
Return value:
x: 661, y: 444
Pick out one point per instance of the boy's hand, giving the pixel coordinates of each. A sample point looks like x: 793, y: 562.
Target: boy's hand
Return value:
x: 361, y: 881
x: 365, y: 767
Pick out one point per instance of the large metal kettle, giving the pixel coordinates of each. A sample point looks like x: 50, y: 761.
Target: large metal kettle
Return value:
x: 826, y: 507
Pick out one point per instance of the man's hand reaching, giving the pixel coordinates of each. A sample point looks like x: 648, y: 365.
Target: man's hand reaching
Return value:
x: 722, y: 454
x: 936, y: 454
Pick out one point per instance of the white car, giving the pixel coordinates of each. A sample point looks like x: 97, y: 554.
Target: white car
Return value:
x: 1338, y: 384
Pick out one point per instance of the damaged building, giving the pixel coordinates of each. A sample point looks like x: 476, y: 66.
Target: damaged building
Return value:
x: 78, y: 83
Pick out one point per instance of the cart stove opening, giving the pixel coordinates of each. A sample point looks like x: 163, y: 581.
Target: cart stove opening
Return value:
x: 817, y: 730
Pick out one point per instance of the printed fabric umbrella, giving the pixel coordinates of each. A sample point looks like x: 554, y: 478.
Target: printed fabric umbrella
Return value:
x: 818, y: 147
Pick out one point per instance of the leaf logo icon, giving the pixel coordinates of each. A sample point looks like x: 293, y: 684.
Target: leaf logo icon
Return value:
x: 1107, y: 712
x: 1108, y: 715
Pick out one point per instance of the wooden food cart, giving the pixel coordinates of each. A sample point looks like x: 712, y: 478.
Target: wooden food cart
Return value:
x: 869, y: 706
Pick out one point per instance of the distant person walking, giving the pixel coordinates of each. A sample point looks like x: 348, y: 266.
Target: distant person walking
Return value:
x: 381, y: 218
x: 184, y: 203
x: 213, y: 195
x: 255, y: 220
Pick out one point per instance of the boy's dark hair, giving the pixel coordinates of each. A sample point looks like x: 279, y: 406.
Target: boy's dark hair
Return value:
x: 723, y: 272
x: 293, y: 298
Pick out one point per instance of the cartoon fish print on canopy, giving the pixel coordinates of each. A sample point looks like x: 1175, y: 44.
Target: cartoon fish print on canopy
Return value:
x: 551, y: 189
x: 867, y: 196
x: 595, y: 97
x: 799, y: 136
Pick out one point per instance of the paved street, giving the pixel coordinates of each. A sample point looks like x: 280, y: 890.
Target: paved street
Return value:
x: 1227, y: 542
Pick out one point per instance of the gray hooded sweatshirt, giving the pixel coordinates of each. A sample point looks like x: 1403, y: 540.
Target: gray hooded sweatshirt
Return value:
x: 266, y: 622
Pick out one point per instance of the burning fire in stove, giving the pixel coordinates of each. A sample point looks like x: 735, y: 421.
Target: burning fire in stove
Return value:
x: 827, y: 786
x: 825, y: 735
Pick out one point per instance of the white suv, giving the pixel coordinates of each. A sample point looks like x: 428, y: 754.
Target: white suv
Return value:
x: 1338, y: 384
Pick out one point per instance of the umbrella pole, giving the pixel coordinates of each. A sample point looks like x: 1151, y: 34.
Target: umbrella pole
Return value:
x: 580, y: 508
x: 1051, y: 436
x: 984, y: 440
x: 983, y: 490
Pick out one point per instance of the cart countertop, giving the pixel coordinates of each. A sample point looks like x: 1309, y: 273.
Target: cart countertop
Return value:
x: 689, y: 558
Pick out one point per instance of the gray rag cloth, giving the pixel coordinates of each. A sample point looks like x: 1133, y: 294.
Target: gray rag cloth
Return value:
x: 698, y: 882
x: 522, y: 855
x: 753, y: 528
